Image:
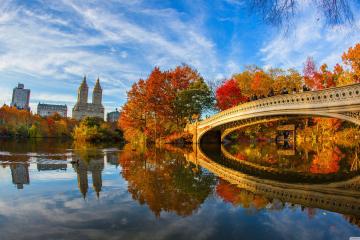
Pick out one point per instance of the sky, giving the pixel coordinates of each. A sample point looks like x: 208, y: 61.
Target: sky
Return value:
x: 50, y: 45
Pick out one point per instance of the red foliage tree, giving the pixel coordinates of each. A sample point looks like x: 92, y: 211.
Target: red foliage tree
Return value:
x: 229, y: 95
x: 322, y: 78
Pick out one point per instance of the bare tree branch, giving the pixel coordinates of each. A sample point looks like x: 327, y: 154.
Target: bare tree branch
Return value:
x: 281, y: 12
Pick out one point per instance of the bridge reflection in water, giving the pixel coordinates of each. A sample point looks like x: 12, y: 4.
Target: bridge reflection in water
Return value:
x: 336, y: 195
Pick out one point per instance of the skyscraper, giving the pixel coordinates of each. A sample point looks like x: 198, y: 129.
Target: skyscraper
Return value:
x: 21, y: 97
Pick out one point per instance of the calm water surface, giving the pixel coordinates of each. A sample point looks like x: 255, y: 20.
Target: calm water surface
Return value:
x: 58, y: 190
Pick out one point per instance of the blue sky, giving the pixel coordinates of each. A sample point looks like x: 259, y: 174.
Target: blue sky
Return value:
x: 50, y: 45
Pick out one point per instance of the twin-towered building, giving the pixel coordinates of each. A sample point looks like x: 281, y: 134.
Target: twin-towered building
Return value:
x: 84, y: 109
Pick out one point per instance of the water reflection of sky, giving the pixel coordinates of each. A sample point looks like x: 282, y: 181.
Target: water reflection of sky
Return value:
x: 52, y: 207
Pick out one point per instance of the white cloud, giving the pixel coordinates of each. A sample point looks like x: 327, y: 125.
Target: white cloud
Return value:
x: 89, y: 38
x: 309, y: 37
x: 66, y: 98
x: 122, y: 41
x: 5, y: 96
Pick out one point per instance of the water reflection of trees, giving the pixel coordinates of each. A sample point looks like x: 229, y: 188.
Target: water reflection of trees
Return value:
x: 240, y: 197
x: 165, y: 181
x: 323, y: 146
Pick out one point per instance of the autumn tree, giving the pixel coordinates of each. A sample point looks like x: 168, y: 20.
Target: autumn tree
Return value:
x: 310, y: 73
x: 229, y: 95
x: 322, y: 78
x: 290, y: 79
x: 134, y: 113
x: 352, y: 59
x: 164, y: 102
x: 261, y: 83
x: 244, y: 80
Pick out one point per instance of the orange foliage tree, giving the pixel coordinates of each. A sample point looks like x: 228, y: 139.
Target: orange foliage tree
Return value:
x: 261, y: 83
x: 163, y: 103
x: 324, y: 78
x: 352, y: 59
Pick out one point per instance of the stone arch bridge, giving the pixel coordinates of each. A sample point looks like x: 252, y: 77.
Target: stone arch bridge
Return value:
x: 338, y: 102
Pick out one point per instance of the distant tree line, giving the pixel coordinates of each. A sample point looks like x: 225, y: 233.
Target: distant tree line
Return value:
x: 15, y: 123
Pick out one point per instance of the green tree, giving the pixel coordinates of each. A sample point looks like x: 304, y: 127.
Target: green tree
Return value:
x: 34, y: 131
x: 194, y: 100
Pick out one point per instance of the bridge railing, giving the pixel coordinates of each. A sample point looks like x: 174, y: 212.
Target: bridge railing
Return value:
x: 336, y: 96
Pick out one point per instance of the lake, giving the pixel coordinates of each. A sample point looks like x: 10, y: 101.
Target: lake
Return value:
x: 247, y: 188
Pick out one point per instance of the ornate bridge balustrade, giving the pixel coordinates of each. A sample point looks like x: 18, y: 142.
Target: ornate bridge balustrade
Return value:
x: 338, y: 102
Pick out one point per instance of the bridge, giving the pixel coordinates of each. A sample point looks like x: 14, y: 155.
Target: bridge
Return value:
x: 339, y: 196
x: 338, y: 102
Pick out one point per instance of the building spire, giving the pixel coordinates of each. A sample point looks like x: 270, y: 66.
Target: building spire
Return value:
x: 97, y: 84
x: 83, y: 91
x: 83, y: 83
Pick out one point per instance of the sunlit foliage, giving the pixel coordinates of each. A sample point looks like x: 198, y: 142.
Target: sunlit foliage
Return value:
x: 163, y: 103
x: 352, y: 59
x: 92, y: 129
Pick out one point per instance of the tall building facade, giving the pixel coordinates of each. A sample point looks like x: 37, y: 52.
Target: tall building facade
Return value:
x: 45, y: 110
x: 84, y: 109
x: 21, y: 97
x: 113, y: 116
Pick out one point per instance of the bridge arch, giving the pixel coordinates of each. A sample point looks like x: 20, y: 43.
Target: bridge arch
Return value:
x: 338, y: 102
